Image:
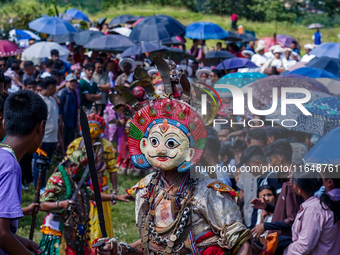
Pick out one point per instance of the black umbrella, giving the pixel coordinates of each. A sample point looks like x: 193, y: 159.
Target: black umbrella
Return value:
x: 134, y: 19
x: 62, y: 38
x: 171, y: 41
x: 213, y: 58
x: 122, y: 19
x: 101, y: 21
x: 111, y: 43
x: 86, y: 36
x: 143, y: 47
x: 233, y: 37
x: 174, y: 54
x: 331, y: 65
x: 248, y: 38
x: 156, y: 28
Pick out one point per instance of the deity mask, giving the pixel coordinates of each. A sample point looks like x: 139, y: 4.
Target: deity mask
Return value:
x: 96, y: 126
x: 167, y: 134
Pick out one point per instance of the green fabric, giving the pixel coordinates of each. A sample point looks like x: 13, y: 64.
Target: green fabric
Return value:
x: 67, y: 181
x: 51, y: 244
x: 87, y: 88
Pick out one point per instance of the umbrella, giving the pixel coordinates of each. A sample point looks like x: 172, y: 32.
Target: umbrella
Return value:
x: 51, y: 26
x: 112, y: 43
x: 311, y: 81
x: 285, y: 40
x: 326, y: 150
x: 263, y: 88
x: 297, y: 65
x: 43, y: 50
x: 174, y: 54
x: 240, y: 79
x: 292, y: 112
x: 62, y: 38
x: 136, y: 22
x: 248, y: 38
x: 233, y: 37
x: 235, y: 63
x: 134, y: 19
x: 327, y: 49
x: 205, y: 31
x: 313, y: 72
x: 122, y: 31
x: 122, y: 19
x: 315, y: 25
x: 156, y: 28
x: 213, y: 58
x: 8, y: 49
x: 268, y: 42
x: 331, y: 65
x: 101, y: 21
x: 17, y: 35
x: 76, y: 14
x: 314, y: 125
x: 333, y: 85
x: 173, y: 41
x: 141, y: 48
x: 328, y: 107
x: 86, y: 36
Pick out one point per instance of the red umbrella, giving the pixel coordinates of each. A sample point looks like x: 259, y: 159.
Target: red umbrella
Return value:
x: 8, y: 49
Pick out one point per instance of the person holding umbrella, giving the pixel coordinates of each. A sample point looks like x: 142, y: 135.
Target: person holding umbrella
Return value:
x: 317, y: 37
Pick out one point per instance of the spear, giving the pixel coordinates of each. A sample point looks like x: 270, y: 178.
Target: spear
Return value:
x: 42, y: 163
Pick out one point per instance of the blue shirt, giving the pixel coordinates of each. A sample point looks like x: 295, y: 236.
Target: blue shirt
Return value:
x: 317, y: 38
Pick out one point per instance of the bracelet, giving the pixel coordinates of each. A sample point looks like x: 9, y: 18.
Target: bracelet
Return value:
x: 57, y: 205
x: 112, y: 197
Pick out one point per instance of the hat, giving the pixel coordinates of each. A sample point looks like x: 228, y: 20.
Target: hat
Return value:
x: 272, y: 48
x: 152, y: 71
x: 203, y: 70
x: 308, y: 46
x: 127, y: 60
x: 278, y: 50
x: 247, y: 52
x: 288, y: 49
x: 185, y: 67
x: 71, y: 77
x: 260, y: 47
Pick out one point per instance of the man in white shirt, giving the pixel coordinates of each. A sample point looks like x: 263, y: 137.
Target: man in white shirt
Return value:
x: 259, y: 58
x: 308, y: 57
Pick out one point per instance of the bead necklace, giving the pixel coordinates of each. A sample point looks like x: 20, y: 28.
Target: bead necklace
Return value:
x: 6, y: 145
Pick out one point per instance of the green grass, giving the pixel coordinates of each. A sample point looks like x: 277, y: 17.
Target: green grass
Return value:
x: 262, y: 29
x: 123, y: 214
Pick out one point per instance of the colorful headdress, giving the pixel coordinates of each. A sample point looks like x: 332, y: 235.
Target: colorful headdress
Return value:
x: 79, y: 159
x: 164, y: 111
x: 95, y: 118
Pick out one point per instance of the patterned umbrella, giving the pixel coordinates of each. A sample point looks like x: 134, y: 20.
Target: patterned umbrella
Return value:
x: 314, y: 72
x: 8, y: 49
x: 262, y: 88
x: 314, y: 125
x: 325, y: 107
x: 311, y: 81
x: 240, y: 79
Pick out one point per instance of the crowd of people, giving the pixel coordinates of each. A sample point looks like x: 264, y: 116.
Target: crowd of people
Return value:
x: 39, y: 107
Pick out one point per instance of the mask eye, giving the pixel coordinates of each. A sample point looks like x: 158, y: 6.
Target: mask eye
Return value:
x: 95, y: 129
x: 171, y: 143
x: 154, y: 141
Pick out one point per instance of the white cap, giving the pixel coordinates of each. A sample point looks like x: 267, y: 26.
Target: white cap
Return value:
x: 247, y: 52
x: 278, y: 50
x: 260, y: 47
x: 308, y: 46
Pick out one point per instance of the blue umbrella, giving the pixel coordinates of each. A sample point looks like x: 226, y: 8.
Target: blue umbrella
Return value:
x: 213, y: 58
x: 314, y: 72
x: 328, y: 49
x: 83, y: 37
x: 235, y: 63
x: 24, y: 35
x: 311, y: 81
x: 156, y: 28
x: 112, y: 43
x: 331, y: 65
x: 143, y: 47
x: 51, y: 26
x: 76, y: 14
x: 240, y: 79
x: 325, y: 107
x: 122, y: 19
x: 326, y: 150
x: 205, y: 31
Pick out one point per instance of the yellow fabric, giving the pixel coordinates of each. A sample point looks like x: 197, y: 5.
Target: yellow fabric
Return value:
x: 95, y: 228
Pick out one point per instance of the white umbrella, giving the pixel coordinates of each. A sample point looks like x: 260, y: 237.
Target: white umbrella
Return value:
x: 43, y: 50
x: 122, y: 31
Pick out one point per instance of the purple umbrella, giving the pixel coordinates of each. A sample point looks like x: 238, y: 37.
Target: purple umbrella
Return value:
x: 311, y: 81
x: 286, y: 40
x: 235, y: 63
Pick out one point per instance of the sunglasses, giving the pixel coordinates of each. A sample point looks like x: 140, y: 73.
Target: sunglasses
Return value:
x: 90, y: 70
x: 2, y: 65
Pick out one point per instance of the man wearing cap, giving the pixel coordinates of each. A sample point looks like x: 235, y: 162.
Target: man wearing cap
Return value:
x: 103, y: 81
x: 68, y: 110
x: 308, y: 57
x: 259, y: 58
x: 127, y: 65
